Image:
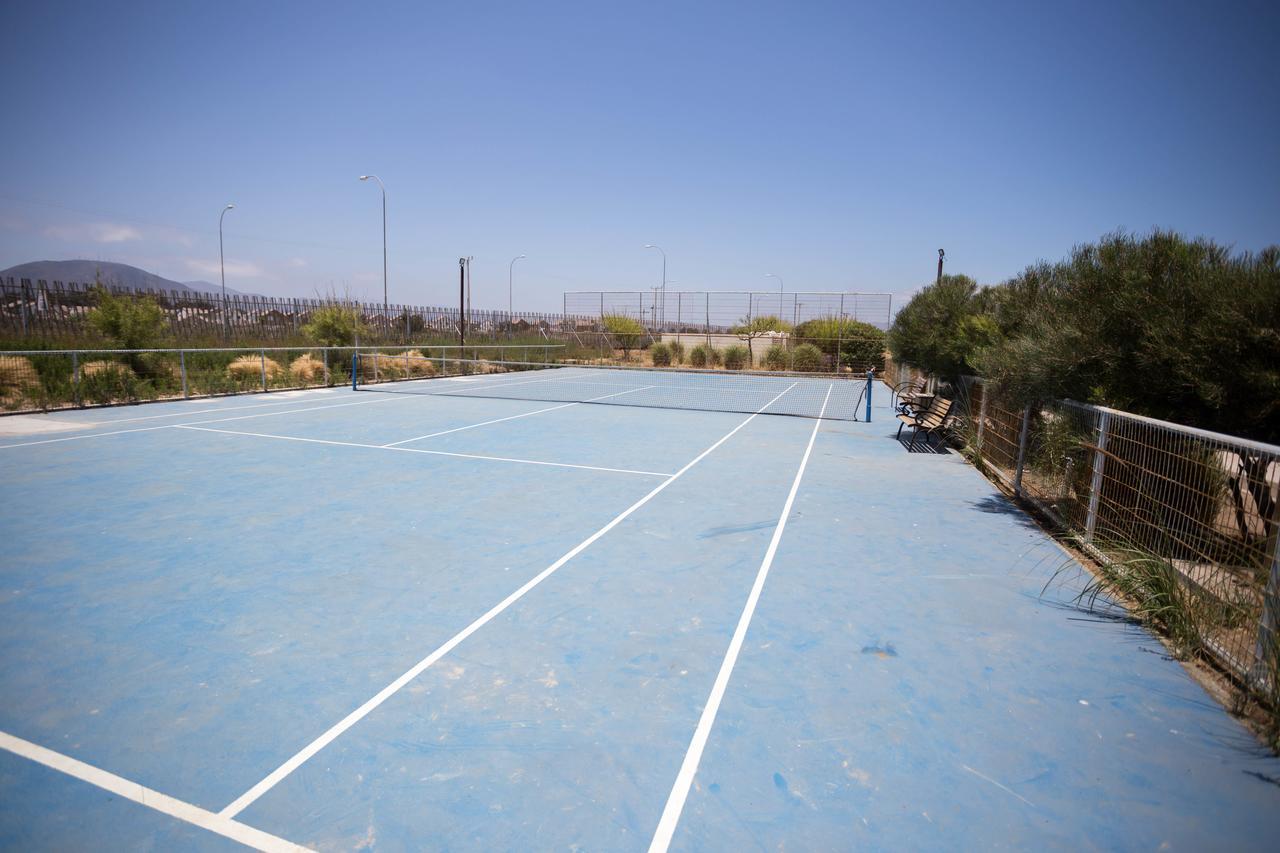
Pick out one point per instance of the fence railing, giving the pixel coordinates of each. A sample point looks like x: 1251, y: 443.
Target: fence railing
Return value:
x: 41, y: 380
x: 1205, y: 504
x: 55, y: 310
x: 704, y: 312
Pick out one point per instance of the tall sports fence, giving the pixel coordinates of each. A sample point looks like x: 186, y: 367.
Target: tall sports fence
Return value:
x: 1205, y: 504
x: 694, y: 312
x: 55, y: 310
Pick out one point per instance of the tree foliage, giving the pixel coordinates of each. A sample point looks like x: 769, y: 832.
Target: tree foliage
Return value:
x: 627, y: 333
x: 129, y: 321
x: 1177, y: 329
x: 335, y: 325
x: 856, y: 344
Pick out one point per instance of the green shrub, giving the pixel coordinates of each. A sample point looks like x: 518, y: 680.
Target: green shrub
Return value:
x: 661, y: 355
x: 704, y: 356
x: 942, y: 329
x: 335, y: 326
x: 127, y: 320
x: 677, y: 351
x: 626, y: 333
x: 859, y: 345
x: 776, y: 358
x: 737, y: 357
x: 806, y: 358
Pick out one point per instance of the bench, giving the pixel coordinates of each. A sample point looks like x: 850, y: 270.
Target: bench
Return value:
x: 933, y: 420
x: 906, y: 393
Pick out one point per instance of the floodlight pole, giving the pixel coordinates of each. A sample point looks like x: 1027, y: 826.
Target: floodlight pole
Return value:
x: 462, y: 306
x: 942, y: 253
x: 664, y: 277
x: 781, y: 287
x: 510, y: 303
x: 385, y: 318
x: 222, y: 265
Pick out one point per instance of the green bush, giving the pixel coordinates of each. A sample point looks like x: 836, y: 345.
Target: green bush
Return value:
x: 806, y: 358
x: 942, y: 328
x: 661, y: 355
x: 627, y: 333
x: 776, y: 358
x: 704, y: 356
x: 677, y: 351
x: 737, y: 357
x: 859, y: 345
x: 335, y: 326
x: 129, y: 321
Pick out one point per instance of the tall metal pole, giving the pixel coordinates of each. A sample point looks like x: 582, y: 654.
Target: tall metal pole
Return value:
x: 510, y: 271
x: 664, y: 272
x: 941, y: 254
x: 222, y: 265
x: 384, y: 242
x: 462, y: 306
x: 781, y: 287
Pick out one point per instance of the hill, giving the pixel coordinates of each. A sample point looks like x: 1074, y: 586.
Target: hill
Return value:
x: 114, y: 275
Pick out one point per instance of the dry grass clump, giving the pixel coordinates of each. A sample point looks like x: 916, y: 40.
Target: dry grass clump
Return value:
x: 105, y: 368
x: 251, y: 367
x: 419, y: 365
x: 17, y: 372
x: 307, y: 368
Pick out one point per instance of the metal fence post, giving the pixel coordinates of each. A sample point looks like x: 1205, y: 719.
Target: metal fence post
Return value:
x: 263, y: 354
x: 1095, y: 485
x: 1267, y: 649
x: 982, y: 415
x: 1022, y: 451
x: 355, y: 362
x: 75, y: 376
x: 182, y: 369
x: 835, y: 368
x: 324, y: 355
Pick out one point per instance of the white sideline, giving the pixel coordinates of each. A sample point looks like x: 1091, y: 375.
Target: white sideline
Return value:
x: 163, y: 803
x: 422, y: 450
x: 514, y: 417
x: 192, y: 423
x: 296, y: 761
x: 284, y: 402
x: 684, y: 779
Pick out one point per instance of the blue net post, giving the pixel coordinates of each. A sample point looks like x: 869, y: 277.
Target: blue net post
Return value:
x: 355, y: 366
x: 871, y: 376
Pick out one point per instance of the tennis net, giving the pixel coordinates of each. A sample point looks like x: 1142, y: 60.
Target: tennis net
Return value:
x: 838, y: 396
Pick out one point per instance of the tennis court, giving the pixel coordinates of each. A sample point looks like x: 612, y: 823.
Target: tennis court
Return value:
x: 611, y: 610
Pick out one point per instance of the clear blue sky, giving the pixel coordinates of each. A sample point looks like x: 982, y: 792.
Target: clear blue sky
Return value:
x: 837, y: 144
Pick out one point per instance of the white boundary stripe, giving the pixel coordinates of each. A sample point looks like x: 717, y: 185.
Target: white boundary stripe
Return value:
x: 155, y: 800
x: 209, y: 421
x: 684, y: 779
x: 284, y: 402
x: 423, y: 450
x: 513, y: 417
x: 299, y: 758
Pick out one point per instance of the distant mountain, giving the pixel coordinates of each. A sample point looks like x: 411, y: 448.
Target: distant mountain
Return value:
x: 113, y: 275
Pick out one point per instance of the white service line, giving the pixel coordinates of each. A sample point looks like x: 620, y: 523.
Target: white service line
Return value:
x: 298, y: 759
x: 286, y: 402
x: 515, y: 417
x: 193, y: 423
x: 134, y: 792
x: 684, y: 779
x: 428, y: 452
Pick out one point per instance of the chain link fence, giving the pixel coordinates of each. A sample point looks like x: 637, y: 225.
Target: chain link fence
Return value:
x: 1200, y: 511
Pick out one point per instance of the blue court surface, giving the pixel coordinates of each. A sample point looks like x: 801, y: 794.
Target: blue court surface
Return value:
x: 347, y: 620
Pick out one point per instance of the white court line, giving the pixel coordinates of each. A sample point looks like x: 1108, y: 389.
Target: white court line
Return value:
x: 684, y: 779
x: 515, y: 417
x: 113, y: 421
x: 297, y: 760
x: 428, y: 452
x: 155, y: 800
x: 192, y: 423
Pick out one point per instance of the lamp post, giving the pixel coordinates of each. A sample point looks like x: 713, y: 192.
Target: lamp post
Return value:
x: 510, y: 303
x: 222, y: 266
x: 781, y: 287
x: 664, y: 276
x: 384, y: 241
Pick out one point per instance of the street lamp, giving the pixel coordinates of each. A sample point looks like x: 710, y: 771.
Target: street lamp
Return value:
x: 222, y: 265
x: 664, y: 274
x: 781, y: 287
x: 384, y: 241
x: 510, y: 271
